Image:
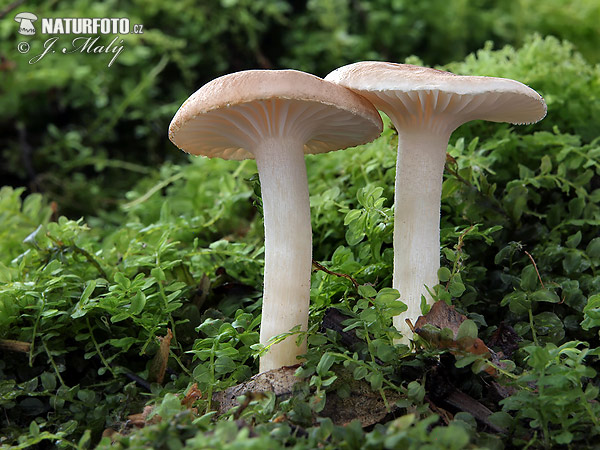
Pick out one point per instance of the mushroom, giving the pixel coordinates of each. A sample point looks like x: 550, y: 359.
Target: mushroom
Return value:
x: 426, y: 106
x: 26, y: 20
x: 276, y: 116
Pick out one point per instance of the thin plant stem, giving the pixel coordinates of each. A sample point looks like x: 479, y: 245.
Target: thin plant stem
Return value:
x: 176, y: 358
x: 536, y: 269
x: 35, y: 327
x: 53, y: 363
x: 87, y: 321
x: 531, y: 324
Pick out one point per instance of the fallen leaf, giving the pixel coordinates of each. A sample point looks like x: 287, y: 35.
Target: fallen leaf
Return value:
x: 14, y: 346
x: 158, y: 366
x: 442, y: 316
x: 279, y: 381
x: 140, y: 420
x: 440, y: 327
x: 363, y: 404
x: 192, y: 395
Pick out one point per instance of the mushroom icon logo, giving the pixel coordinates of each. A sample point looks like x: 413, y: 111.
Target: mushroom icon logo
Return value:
x: 26, y: 20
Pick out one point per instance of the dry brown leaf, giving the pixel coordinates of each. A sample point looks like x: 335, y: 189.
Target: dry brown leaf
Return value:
x: 158, y: 366
x: 363, y: 404
x: 190, y: 398
x: 14, y: 346
x: 441, y: 315
x: 140, y: 420
x: 279, y: 381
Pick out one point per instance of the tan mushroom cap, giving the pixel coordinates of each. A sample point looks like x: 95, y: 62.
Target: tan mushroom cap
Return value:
x: 230, y: 115
x: 419, y: 93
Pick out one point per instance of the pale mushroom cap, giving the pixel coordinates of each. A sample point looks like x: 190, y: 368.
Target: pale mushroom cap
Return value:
x: 25, y: 15
x: 230, y: 115
x: 414, y: 94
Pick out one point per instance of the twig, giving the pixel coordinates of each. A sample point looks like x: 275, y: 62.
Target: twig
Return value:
x: 464, y: 402
x: 14, y: 346
x: 91, y: 260
x: 10, y: 7
x: 536, y: 269
x: 450, y: 159
x: 153, y: 190
x: 444, y: 415
x: 139, y: 380
x: 327, y: 271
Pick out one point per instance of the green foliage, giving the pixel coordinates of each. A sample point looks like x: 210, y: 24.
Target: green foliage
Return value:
x: 343, y: 31
x: 18, y: 218
x: 555, y: 70
x: 83, y: 132
x: 181, y: 245
x: 561, y: 405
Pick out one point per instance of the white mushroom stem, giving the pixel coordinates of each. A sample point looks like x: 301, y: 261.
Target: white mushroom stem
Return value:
x: 26, y: 26
x: 288, y: 246
x: 419, y: 170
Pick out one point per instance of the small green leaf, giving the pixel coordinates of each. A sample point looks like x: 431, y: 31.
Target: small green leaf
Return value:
x: 48, y: 381
x: 518, y: 302
x: 415, y: 391
x: 376, y: 380
x: 444, y: 274
x: 573, y: 240
x: 85, y: 439
x: 122, y: 280
x: 549, y: 327
x: 564, y: 437
x: 538, y: 358
x: 576, y: 206
x: 465, y: 361
x: 325, y: 364
x: 89, y: 288
x: 360, y: 372
x: 120, y: 317
x: 224, y: 364
x: 137, y: 303
x: 593, y: 248
x: 352, y: 215
x: 573, y: 262
x: 86, y: 396
x: 501, y: 419
x: 544, y: 295
x: 591, y: 313
x: 467, y: 329
x: 34, y: 429
x: 367, y: 291
x: 546, y: 165
x: 158, y: 273
x: 529, y: 278
x: 387, y: 295
x: 456, y: 287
